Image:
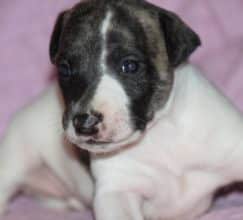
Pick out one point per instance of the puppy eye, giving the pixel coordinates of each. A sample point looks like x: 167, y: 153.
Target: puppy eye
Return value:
x: 64, y: 71
x: 130, y: 66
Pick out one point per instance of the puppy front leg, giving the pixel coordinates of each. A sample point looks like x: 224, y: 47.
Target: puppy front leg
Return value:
x: 117, y: 206
x: 16, y: 161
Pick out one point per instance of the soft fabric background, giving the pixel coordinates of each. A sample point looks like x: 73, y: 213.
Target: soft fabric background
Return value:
x: 25, y: 70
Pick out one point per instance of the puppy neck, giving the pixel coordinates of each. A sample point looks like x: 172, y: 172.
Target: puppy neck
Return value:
x: 178, y: 99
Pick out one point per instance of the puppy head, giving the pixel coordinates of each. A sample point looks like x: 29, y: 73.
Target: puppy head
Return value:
x: 115, y: 61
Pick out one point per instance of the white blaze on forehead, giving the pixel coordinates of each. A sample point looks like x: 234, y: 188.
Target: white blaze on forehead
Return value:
x: 106, y: 23
x: 109, y: 92
x: 104, y: 30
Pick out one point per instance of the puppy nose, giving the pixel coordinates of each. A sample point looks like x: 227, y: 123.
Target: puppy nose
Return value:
x: 86, y: 124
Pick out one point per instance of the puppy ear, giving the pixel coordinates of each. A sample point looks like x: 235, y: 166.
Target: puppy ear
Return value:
x: 56, y: 36
x: 180, y: 39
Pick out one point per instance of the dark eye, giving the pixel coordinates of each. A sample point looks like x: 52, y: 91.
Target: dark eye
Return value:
x: 130, y: 66
x: 64, y: 71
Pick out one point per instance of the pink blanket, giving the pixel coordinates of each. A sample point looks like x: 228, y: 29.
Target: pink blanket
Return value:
x: 25, y: 70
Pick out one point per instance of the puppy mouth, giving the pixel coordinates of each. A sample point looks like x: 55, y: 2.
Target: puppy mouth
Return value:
x: 102, y: 142
x: 96, y: 146
x: 95, y: 142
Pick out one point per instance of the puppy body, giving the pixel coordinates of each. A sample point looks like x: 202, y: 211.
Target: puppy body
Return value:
x: 190, y: 149
x: 162, y: 138
x: 35, y: 158
x: 193, y: 147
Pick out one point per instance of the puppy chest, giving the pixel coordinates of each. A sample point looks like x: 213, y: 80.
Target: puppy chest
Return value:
x: 162, y: 192
x: 155, y: 187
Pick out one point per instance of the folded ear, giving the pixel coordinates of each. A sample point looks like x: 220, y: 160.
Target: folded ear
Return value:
x: 180, y: 39
x: 56, y: 36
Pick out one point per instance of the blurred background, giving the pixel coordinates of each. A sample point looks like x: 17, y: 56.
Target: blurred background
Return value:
x: 25, y: 69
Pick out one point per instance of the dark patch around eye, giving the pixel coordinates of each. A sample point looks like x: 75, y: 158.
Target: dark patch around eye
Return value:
x: 65, y: 71
x: 115, y: 37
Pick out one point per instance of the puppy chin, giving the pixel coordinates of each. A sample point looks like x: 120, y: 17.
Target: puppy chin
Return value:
x: 105, y: 147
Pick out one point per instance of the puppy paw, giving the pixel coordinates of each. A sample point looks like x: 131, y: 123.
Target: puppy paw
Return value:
x: 62, y: 204
x: 76, y: 205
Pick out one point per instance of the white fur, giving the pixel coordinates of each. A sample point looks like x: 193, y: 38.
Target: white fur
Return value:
x: 193, y: 147
x: 112, y: 102
x: 33, y: 145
